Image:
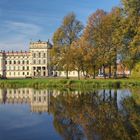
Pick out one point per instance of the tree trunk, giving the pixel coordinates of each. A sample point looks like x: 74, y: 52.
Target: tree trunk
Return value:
x: 115, y: 65
x: 78, y: 75
x: 110, y: 71
x: 67, y: 74
x: 104, y: 72
x: 115, y: 70
x: 94, y: 72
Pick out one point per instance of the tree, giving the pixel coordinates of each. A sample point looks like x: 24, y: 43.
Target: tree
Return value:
x: 131, y: 7
x: 69, y: 31
x: 131, y: 33
x: 77, y: 57
x: 92, y: 34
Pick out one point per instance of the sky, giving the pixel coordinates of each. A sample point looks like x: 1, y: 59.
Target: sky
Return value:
x: 22, y: 21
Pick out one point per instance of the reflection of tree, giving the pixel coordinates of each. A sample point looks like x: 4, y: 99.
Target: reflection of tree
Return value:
x: 132, y: 121
x: 94, y: 115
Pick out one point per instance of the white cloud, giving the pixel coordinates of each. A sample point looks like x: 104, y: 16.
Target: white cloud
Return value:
x: 22, y: 28
x: 16, y: 35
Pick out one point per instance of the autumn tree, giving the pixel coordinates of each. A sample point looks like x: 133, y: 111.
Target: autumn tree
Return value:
x: 77, y: 56
x: 69, y: 31
x: 92, y: 34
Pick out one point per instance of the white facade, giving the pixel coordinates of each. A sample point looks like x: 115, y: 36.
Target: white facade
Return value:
x: 34, y: 63
x: 70, y: 73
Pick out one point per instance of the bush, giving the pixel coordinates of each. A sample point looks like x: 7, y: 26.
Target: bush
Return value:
x: 136, y: 71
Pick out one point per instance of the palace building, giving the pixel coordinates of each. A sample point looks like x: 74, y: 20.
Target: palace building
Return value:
x: 34, y: 63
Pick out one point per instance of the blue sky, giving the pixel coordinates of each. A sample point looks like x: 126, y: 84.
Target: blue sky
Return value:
x: 25, y: 20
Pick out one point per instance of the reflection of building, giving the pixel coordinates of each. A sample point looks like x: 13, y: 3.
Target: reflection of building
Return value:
x: 39, y: 100
x: 34, y: 63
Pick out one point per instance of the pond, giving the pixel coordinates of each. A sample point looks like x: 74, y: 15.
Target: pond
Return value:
x: 105, y: 114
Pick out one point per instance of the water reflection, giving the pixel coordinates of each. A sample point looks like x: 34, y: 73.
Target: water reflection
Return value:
x: 98, y: 114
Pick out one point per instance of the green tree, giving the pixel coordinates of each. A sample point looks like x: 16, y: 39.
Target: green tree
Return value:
x: 131, y: 33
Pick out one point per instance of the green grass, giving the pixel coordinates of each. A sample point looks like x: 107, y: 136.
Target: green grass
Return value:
x: 69, y: 83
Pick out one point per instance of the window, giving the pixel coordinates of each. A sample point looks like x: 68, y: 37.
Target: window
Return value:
x: 23, y: 62
x: 39, y: 54
x: 15, y: 91
x: 44, y: 61
x: 10, y: 62
x: 23, y: 68
x: 44, y: 98
x: 34, y: 98
x: 39, y: 99
x: 39, y: 61
x: 23, y: 73
x: 27, y: 62
x: 43, y: 68
x: 14, y: 62
x: 18, y: 62
x: 27, y: 67
x: 5, y: 62
x: 44, y: 55
x: 34, y: 62
x: 34, y: 55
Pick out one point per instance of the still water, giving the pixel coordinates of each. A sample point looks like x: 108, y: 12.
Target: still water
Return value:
x: 30, y: 114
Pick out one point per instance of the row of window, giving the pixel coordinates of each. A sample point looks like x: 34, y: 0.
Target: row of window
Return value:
x: 39, y: 61
x: 17, y: 62
x: 18, y: 91
x: 39, y: 68
x: 26, y: 62
x: 16, y: 57
x: 17, y: 68
x: 18, y: 73
x: 45, y: 92
x: 39, y: 55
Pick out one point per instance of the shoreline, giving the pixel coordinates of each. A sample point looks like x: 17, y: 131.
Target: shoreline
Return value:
x: 69, y: 83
